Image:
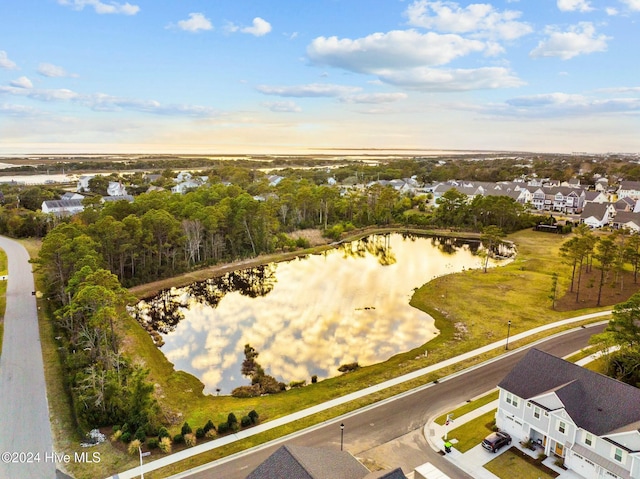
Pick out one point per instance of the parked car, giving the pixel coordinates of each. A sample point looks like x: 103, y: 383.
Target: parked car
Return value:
x: 496, y: 440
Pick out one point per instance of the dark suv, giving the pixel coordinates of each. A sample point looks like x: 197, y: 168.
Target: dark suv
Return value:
x: 496, y: 440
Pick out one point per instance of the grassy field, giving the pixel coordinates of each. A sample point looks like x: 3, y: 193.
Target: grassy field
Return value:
x: 3, y: 292
x: 471, y: 309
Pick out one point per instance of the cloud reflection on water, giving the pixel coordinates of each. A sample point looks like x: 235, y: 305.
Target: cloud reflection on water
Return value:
x: 341, y: 306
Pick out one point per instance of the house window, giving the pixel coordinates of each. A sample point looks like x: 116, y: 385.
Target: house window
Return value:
x: 588, y: 439
x: 536, y: 412
x: 562, y: 426
x: 617, y: 454
x: 529, y: 405
x: 511, y: 399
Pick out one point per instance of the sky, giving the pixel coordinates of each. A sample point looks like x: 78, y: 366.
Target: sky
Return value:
x: 302, y: 76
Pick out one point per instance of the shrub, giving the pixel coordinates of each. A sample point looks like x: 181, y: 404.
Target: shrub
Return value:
x: 246, y: 391
x: 116, y: 435
x: 165, y: 445
x: 153, y: 443
x: 211, y: 433
x: 254, y: 416
x: 162, y: 432
x: 116, y: 428
x: 346, y: 368
x: 297, y: 384
x: 209, y: 426
x: 246, y: 421
x: 141, y: 435
x: 126, y: 437
x: 200, y: 433
x: 223, y: 428
x: 190, y: 439
x: 178, y: 439
x: 232, y: 419
x: 186, y: 429
x: 134, y: 447
x: 125, y: 428
x: 303, y: 243
x: 314, y: 379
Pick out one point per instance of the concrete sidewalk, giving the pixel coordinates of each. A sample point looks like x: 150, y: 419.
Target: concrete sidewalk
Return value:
x: 208, y: 446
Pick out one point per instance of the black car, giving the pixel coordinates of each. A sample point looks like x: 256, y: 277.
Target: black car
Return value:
x: 496, y: 440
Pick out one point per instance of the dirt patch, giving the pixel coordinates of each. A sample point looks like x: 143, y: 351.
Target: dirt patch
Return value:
x: 313, y: 236
x: 612, y: 293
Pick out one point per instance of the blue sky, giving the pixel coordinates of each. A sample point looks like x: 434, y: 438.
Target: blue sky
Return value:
x: 286, y: 76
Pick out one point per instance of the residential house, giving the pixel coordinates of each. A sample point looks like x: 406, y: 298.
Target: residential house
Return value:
x: 595, y: 197
x: 62, y: 207
x: 274, y: 180
x: 116, y: 188
x: 71, y: 196
x: 602, y: 184
x: 628, y: 220
x: 597, y: 215
x: 291, y: 461
x: 625, y: 204
x: 83, y: 183
x: 589, y: 420
x: 560, y: 198
x: 629, y: 189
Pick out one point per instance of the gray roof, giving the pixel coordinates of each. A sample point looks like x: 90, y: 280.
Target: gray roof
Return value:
x: 395, y: 474
x: 299, y: 462
x: 624, y: 217
x: 597, y: 210
x: 596, y: 403
x: 51, y: 204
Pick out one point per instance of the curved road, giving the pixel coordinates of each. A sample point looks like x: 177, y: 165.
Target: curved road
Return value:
x: 25, y: 432
x: 392, y: 430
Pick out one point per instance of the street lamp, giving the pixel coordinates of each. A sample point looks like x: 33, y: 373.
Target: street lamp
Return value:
x: 506, y: 346
x: 341, y: 435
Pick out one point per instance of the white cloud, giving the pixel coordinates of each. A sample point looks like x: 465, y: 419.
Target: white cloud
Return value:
x: 479, y: 18
x: 632, y: 4
x: 611, y: 11
x: 197, y: 22
x: 53, y: 71
x: 434, y: 79
x: 5, y: 62
x: 578, y: 40
x: 102, y: 8
x: 313, y: 90
x: 397, y: 49
x: 283, y: 107
x: 259, y: 27
x: 22, y: 82
x: 574, y: 6
x: 374, y: 98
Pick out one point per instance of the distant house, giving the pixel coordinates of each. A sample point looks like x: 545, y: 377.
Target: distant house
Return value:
x: 83, y: 183
x: 62, y: 207
x: 116, y: 188
x: 629, y: 189
x: 274, y: 180
x: 595, y: 197
x: 290, y: 462
x: 626, y: 220
x: 71, y: 196
x: 597, y: 215
x: 625, y: 204
x: 111, y: 199
x: 589, y: 420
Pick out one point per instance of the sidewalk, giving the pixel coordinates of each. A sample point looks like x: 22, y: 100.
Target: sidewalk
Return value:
x: 208, y: 446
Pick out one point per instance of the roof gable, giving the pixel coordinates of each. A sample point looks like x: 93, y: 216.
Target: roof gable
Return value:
x: 595, y: 402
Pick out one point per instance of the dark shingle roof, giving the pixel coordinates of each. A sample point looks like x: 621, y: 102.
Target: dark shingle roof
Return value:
x: 298, y: 462
x: 596, y: 403
x: 395, y: 474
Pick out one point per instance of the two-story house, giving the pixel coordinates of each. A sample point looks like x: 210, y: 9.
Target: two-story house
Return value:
x: 586, y: 418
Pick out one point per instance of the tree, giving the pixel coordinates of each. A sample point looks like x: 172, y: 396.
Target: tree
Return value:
x: 491, y: 239
x: 606, y: 255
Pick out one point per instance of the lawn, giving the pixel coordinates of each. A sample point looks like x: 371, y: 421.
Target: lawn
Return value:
x: 515, y: 463
x: 471, y: 433
x: 480, y: 303
x: 468, y: 407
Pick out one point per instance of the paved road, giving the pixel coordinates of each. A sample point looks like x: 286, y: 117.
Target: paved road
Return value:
x: 25, y: 431
x: 389, y: 434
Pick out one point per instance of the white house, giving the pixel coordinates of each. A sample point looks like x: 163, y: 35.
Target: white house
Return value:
x: 116, y: 188
x: 83, y: 183
x: 588, y: 419
x: 62, y: 207
x: 597, y: 215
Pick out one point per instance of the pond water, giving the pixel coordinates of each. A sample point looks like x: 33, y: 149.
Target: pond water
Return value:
x: 309, y: 315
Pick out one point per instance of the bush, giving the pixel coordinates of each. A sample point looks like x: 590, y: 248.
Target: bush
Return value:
x: 162, y: 432
x: 246, y: 421
x: 346, y: 368
x: 165, y: 445
x: 303, y: 243
x: 223, y: 428
x: 190, y: 439
x: 211, y: 433
x: 141, y: 435
x: 209, y: 426
x: 314, y: 379
x: 254, y: 416
x: 297, y: 384
x: 246, y: 391
x: 186, y: 429
x: 125, y: 428
x: 116, y: 428
x: 116, y: 435
x: 126, y: 437
x: 200, y: 433
x: 134, y: 447
x: 178, y: 439
x: 232, y: 419
x: 334, y: 232
x: 153, y: 443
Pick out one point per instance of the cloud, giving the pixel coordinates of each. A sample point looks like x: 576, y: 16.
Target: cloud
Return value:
x: 434, y: 79
x: 480, y: 19
x: 197, y: 22
x: 632, y: 4
x: 283, y: 107
x: 578, y: 40
x: 259, y: 27
x: 104, y: 102
x: 102, y: 8
x: 374, y: 98
x: 22, y: 82
x: 53, y: 71
x: 5, y: 62
x: 313, y: 90
x: 574, y: 6
x: 397, y: 49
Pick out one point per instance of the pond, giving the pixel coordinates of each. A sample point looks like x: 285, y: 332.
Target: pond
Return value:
x: 307, y: 316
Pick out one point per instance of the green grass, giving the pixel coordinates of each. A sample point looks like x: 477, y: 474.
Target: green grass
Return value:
x: 471, y: 433
x: 514, y: 463
x: 470, y: 406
